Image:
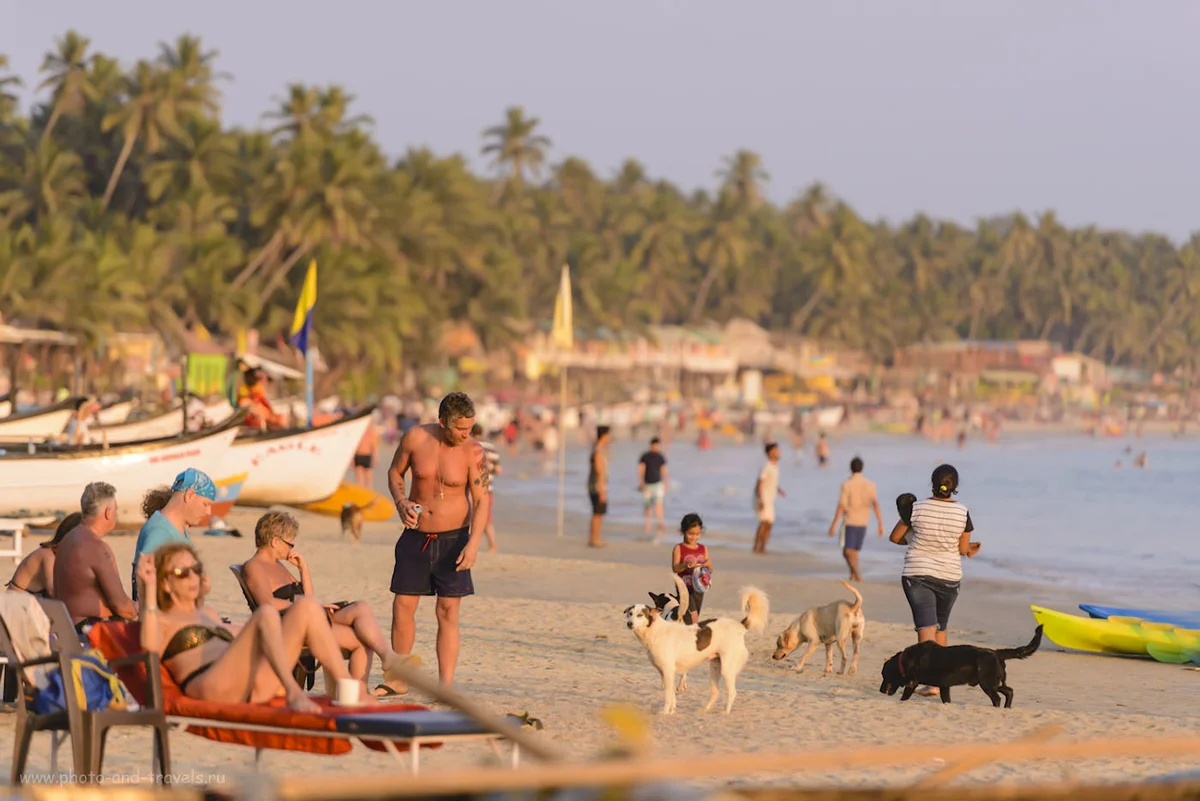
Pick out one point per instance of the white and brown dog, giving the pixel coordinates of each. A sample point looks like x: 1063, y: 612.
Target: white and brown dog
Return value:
x: 828, y: 624
x: 675, y: 648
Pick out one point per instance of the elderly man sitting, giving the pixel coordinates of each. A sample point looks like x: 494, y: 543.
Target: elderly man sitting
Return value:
x: 85, y: 570
x: 190, y: 504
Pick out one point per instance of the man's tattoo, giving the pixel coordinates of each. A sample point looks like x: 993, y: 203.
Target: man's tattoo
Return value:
x: 477, y: 482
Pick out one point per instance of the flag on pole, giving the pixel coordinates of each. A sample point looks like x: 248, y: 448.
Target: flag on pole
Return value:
x: 563, y: 332
x: 302, y: 321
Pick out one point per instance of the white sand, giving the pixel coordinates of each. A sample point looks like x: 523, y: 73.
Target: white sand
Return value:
x: 546, y: 634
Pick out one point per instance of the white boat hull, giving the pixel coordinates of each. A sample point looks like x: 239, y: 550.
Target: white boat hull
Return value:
x: 114, y: 415
x: 295, y: 468
x: 164, y: 425
x: 51, y: 484
x: 218, y: 412
x: 35, y: 426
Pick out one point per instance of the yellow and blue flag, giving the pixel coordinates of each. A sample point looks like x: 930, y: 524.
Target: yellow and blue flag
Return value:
x: 302, y: 321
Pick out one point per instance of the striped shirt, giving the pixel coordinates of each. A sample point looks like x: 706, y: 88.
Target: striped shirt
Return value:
x: 933, y: 539
x: 493, y: 459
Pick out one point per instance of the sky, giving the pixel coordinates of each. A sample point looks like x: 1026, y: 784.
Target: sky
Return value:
x: 960, y: 109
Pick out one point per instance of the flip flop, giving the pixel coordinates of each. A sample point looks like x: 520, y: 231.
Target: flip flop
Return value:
x: 385, y: 693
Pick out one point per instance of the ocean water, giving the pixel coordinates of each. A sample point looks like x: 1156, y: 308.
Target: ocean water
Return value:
x: 1049, y: 509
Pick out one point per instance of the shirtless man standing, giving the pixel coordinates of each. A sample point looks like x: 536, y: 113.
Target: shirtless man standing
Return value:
x: 440, y: 543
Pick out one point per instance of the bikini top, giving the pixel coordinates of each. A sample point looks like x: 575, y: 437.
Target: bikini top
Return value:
x: 288, y: 592
x: 190, y: 637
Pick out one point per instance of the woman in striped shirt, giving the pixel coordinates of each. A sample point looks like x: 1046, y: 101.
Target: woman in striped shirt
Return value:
x: 938, y: 535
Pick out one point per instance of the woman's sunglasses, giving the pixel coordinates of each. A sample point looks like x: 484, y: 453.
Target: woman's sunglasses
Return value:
x: 184, y: 572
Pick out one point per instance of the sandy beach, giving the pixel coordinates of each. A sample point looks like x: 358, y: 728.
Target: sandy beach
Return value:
x: 545, y: 634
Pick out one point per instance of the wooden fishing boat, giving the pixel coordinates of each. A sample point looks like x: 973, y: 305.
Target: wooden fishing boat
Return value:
x: 168, y: 424
x: 295, y: 466
x: 50, y: 480
x: 115, y: 414
x: 40, y: 424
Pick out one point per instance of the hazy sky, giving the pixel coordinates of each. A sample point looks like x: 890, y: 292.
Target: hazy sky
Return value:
x: 962, y: 108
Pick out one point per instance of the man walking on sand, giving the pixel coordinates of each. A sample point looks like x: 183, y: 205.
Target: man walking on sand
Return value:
x: 652, y: 481
x: 857, y: 499
x: 597, y: 485
x: 765, y: 490
x: 444, y: 515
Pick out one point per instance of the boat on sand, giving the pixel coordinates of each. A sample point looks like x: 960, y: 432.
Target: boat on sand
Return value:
x: 40, y: 424
x: 50, y: 480
x: 295, y: 466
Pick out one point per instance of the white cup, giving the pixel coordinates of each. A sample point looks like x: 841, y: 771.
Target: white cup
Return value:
x: 349, y: 692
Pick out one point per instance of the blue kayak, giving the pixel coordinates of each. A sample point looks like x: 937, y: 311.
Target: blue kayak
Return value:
x: 1184, y: 620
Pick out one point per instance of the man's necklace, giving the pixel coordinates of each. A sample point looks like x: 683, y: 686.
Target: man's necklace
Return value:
x: 441, y: 484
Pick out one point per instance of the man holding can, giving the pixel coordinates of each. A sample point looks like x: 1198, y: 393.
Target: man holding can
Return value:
x: 444, y: 514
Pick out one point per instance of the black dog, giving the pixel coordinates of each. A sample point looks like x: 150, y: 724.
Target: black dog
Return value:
x: 663, y: 601
x: 946, y: 666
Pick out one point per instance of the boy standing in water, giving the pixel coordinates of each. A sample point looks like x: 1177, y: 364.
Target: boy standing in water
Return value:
x: 765, y: 490
x: 855, y: 502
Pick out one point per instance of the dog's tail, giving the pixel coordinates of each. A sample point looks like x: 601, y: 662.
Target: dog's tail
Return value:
x: 857, y: 605
x: 1024, y: 651
x: 685, y: 599
x: 756, y: 607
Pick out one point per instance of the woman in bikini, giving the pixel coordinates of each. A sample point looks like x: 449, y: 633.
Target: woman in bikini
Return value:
x: 272, y: 584
x: 215, y: 661
x: 35, y: 574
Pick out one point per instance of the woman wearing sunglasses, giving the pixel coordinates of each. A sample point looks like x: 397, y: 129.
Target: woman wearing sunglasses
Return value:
x: 272, y: 584
x: 214, y: 661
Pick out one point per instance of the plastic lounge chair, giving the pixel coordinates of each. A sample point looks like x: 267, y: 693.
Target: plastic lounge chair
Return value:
x: 87, y: 729
x: 307, y: 665
x: 394, y: 728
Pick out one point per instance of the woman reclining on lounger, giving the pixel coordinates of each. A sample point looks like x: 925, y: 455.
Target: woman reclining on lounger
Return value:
x: 213, y: 661
x: 271, y: 584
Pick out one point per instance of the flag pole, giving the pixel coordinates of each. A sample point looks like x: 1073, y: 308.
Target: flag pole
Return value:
x: 562, y: 334
x: 562, y: 444
x: 308, y: 384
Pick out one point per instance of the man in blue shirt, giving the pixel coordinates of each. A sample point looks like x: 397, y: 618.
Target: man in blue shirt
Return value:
x: 192, y: 496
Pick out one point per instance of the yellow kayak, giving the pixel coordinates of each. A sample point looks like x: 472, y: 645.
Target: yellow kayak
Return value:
x: 376, y: 508
x: 1120, y: 635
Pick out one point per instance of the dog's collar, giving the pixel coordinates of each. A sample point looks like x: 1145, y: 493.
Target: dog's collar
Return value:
x: 900, y: 664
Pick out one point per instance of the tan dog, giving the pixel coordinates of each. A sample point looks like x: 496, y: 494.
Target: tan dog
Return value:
x: 352, y: 521
x: 828, y: 624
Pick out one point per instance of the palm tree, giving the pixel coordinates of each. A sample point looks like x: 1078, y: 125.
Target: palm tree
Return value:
x: 8, y: 101
x: 515, y: 148
x: 157, y: 104
x: 743, y: 176
x: 68, y: 79
x: 49, y: 180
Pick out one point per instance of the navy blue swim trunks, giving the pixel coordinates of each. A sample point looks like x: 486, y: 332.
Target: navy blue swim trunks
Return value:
x: 426, y: 564
x: 855, y: 536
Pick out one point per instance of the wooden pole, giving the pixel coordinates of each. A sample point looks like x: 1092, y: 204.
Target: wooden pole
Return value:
x: 680, y: 768
x: 562, y: 447
x: 477, y: 712
x: 183, y: 385
x: 949, y: 772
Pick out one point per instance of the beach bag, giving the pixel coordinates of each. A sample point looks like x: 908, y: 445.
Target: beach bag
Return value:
x: 95, y: 685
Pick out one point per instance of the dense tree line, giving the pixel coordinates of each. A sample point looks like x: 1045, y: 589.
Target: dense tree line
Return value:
x: 125, y: 204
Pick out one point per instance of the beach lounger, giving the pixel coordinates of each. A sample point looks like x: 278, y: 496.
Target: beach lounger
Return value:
x: 393, y: 728
x: 87, y: 729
